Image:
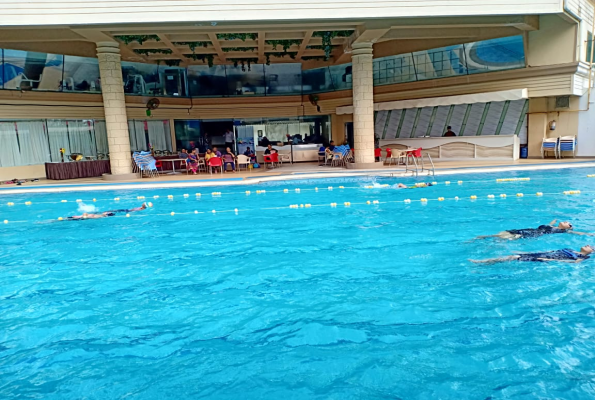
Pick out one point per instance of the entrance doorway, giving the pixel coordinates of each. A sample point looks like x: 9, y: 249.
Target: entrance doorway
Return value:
x: 214, y: 133
x: 348, y: 134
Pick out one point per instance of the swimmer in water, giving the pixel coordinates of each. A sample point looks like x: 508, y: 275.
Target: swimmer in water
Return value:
x: 90, y: 216
x: 564, y: 255
x: 127, y: 211
x: 515, y: 234
x: 105, y: 214
x: 416, y: 186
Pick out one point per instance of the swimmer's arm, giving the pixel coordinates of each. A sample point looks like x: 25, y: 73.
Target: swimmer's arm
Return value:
x: 553, y: 222
x: 566, y: 261
x: 581, y: 233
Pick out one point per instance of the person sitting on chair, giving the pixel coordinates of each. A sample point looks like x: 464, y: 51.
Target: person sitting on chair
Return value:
x: 192, y: 161
x: 229, y: 158
x: 183, y: 154
x: 250, y: 154
x: 208, y: 155
x: 270, y: 150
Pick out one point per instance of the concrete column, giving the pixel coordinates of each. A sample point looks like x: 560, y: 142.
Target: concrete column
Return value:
x: 363, y: 104
x: 114, y: 106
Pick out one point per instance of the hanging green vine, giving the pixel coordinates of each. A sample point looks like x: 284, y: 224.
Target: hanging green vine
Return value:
x: 230, y: 49
x: 193, y: 45
x: 327, y: 39
x: 146, y: 52
x: 314, y: 58
x: 316, y: 47
x: 243, y: 62
x: 208, y: 58
x: 286, y: 44
x: 268, y: 57
x: 292, y: 54
x: 172, y: 63
x: 140, y: 39
x: 236, y: 36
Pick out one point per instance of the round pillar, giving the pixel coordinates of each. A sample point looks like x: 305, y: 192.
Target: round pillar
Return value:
x: 363, y: 104
x: 114, y: 106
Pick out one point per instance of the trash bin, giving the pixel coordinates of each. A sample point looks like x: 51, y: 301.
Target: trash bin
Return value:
x: 524, y: 151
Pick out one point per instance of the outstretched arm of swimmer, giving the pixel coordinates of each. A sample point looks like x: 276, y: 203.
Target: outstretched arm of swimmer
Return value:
x: 580, y: 233
x: 553, y: 222
x: 566, y: 261
x: 138, y: 208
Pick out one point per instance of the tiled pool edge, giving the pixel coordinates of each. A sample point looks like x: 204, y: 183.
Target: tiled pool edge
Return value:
x: 276, y: 178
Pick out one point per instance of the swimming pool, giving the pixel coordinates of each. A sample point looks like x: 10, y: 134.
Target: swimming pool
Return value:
x: 356, y: 301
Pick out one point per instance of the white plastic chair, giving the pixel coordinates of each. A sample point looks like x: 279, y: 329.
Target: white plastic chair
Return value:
x: 549, y: 144
x: 284, y: 157
x: 567, y: 143
x: 245, y: 161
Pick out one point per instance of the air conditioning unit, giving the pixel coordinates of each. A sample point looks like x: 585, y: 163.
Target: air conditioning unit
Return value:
x: 562, y: 101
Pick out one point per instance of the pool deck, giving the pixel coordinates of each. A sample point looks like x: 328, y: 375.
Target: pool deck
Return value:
x: 290, y: 172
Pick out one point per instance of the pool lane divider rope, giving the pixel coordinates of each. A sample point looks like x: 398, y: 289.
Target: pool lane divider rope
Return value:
x: 258, y: 192
x: 423, y: 201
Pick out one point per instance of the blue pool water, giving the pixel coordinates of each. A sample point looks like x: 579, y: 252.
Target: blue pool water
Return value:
x: 371, y: 301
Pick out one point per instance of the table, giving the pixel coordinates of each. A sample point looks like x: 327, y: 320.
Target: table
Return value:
x: 77, y: 169
x: 173, y: 164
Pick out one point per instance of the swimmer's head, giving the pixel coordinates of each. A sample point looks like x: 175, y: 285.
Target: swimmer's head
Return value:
x: 588, y: 249
x: 150, y: 204
x: 565, y: 225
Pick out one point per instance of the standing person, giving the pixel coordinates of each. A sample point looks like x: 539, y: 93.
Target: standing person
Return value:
x: 449, y: 132
x: 229, y: 138
x: 229, y: 158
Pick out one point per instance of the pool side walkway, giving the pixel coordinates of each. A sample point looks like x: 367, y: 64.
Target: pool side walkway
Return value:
x: 290, y: 172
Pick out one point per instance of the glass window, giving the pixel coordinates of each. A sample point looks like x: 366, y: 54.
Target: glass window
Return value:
x: 159, y: 135
x: 33, y: 142
x: 81, y: 137
x: 101, y: 139
x: 58, y: 138
x: 10, y: 154
x: 317, y: 80
x: 137, y: 130
x: 174, y: 81
x: 141, y: 79
x: 207, y: 81
x: 495, y: 54
x: 81, y: 74
x: 245, y: 80
x: 440, y: 63
x: 394, y: 69
x: 588, y: 47
x: 342, y: 76
x: 27, y: 70
x: 189, y: 135
x: 283, y: 79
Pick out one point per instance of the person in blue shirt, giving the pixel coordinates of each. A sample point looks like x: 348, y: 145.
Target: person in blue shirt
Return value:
x: 564, y: 255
